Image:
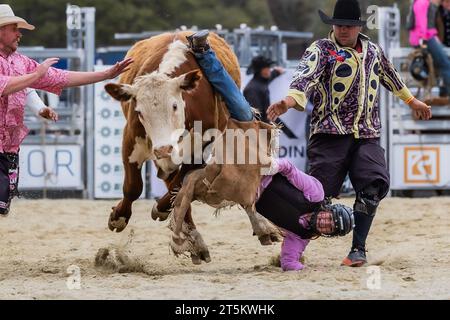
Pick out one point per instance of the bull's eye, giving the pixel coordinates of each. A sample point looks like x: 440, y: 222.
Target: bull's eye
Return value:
x: 139, y: 113
x: 175, y: 106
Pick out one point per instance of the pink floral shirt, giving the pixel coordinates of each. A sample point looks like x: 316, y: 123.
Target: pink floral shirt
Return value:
x: 12, y: 129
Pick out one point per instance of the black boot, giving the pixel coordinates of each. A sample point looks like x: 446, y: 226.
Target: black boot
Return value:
x: 198, y: 42
x: 363, y: 222
x: 357, y: 255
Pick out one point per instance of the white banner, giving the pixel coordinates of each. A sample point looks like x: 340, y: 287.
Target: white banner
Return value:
x: 421, y: 166
x: 109, y: 124
x: 52, y: 167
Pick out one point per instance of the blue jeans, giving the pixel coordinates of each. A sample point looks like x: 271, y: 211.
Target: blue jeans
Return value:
x: 441, y: 60
x: 222, y: 82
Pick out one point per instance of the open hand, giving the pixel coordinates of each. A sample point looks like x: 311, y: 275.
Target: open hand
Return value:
x: 276, y: 109
x: 42, y: 69
x: 48, y: 113
x: 420, y: 110
x: 118, y: 68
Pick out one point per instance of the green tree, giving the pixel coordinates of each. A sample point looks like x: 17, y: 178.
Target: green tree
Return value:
x: 114, y: 16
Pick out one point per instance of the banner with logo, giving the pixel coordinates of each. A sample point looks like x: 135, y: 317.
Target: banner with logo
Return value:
x: 421, y: 166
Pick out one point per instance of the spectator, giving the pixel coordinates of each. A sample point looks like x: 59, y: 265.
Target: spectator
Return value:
x: 257, y: 90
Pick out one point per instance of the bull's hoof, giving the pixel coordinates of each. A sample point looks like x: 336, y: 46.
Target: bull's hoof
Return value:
x: 158, y: 215
x: 276, y: 237
x: 117, y: 224
x: 202, y: 256
x: 178, y: 239
x: 265, y: 240
x: 196, y: 259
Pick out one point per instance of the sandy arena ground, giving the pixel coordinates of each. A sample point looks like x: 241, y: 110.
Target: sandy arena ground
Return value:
x: 42, y: 240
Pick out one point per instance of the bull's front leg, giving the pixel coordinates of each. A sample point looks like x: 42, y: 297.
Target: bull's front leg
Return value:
x: 162, y: 208
x: 267, y: 233
x: 132, y: 185
x: 185, y: 237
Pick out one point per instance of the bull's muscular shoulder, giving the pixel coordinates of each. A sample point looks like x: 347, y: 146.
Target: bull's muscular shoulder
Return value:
x: 148, y: 54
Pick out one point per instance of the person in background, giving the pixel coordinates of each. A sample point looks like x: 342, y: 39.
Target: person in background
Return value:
x: 257, y: 90
x: 422, y: 25
x: 443, y: 22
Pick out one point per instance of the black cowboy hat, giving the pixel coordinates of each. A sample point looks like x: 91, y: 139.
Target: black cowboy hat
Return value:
x: 258, y: 63
x: 346, y: 13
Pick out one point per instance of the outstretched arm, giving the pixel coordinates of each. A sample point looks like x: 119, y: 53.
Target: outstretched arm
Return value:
x: 306, y: 78
x: 44, y: 77
x: 391, y: 80
x: 83, y: 78
x: 18, y: 83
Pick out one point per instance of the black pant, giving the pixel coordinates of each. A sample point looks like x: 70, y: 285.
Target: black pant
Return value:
x: 283, y: 204
x: 331, y: 157
x: 9, y: 179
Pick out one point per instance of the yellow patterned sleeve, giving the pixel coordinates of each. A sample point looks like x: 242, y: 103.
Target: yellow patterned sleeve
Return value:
x: 404, y: 94
x: 307, y: 75
x: 391, y: 79
x: 299, y: 97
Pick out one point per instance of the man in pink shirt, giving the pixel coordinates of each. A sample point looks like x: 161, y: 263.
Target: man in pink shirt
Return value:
x: 17, y: 73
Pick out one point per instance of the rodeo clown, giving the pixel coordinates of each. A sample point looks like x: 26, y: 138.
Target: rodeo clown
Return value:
x: 341, y: 75
x: 18, y: 73
x: 288, y: 197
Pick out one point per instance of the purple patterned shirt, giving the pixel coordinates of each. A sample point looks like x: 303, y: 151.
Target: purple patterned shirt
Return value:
x: 344, y: 87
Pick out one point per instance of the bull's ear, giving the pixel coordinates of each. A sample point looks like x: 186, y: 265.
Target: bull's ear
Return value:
x: 120, y: 92
x: 190, y: 80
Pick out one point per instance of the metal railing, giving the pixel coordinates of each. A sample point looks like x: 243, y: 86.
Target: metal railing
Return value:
x: 246, y: 42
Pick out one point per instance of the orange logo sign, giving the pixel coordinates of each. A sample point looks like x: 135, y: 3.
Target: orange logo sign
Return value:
x: 422, y: 165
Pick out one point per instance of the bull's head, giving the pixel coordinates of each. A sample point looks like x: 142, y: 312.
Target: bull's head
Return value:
x: 159, y: 105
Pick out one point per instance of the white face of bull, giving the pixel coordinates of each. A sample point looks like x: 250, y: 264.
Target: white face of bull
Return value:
x: 159, y: 105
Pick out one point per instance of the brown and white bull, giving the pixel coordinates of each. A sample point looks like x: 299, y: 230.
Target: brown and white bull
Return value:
x: 162, y: 95
x: 233, y: 175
